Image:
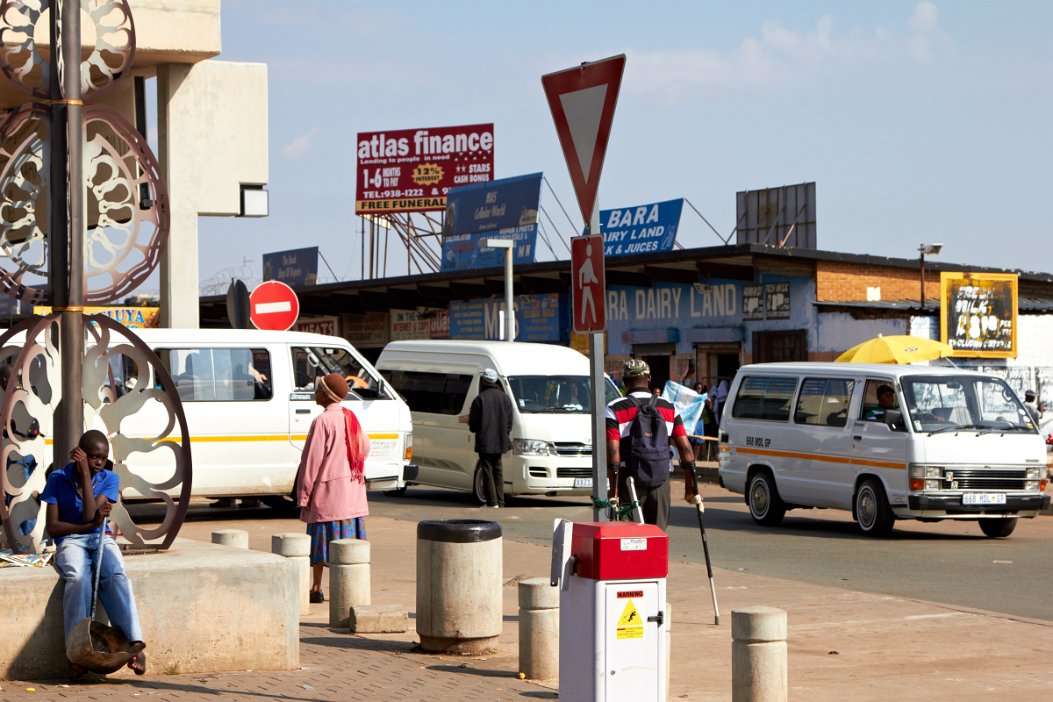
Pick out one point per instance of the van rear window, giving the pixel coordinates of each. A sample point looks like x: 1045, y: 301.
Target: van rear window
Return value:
x: 764, y: 397
x: 219, y: 374
x: 435, y: 393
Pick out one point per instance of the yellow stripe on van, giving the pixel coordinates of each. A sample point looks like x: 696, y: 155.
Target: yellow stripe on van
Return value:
x: 824, y: 457
x: 243, y: 437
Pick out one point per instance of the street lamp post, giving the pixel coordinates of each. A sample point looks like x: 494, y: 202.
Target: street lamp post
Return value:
x: 510, y: 317
x: 932, y: 250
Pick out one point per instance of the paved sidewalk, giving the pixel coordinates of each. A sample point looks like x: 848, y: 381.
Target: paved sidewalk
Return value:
x: 843, y: 645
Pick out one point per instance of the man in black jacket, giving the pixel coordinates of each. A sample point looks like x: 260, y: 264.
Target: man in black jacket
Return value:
x: 490, y: 419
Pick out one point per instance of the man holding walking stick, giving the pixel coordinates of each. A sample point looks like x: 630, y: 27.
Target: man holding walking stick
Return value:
x: 640, y: 428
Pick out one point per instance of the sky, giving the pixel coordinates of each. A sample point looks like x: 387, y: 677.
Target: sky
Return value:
x: 920, y: 122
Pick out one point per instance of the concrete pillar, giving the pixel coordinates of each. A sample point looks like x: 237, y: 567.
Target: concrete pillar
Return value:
x: 538, y: 629
x: 180, y: 295
x: 297, y: 548
x: 758, y: 655
x: 348, y: 578
x: 238, y: 538
x: 459, y: 580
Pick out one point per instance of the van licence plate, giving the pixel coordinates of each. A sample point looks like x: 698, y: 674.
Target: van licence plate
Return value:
x: 582, y: 482
x: 983, y: 498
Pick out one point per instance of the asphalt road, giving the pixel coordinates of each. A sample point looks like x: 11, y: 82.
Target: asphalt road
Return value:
x: 948, y: 562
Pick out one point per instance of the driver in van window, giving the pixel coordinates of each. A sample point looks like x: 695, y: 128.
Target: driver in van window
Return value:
x: 886, y: 398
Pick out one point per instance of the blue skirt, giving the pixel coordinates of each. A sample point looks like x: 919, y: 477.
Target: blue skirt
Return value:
x: 322, y: 533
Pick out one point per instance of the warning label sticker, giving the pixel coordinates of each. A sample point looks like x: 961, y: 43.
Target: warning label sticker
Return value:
x: 630, y: 624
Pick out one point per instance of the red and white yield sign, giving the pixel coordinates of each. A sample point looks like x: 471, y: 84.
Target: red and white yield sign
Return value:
x: 582, y: 101
x: 273, y: 306
x: 589, y: 285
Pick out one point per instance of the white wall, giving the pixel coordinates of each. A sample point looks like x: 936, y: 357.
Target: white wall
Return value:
x: 212, y: 135
x: 838, y: 331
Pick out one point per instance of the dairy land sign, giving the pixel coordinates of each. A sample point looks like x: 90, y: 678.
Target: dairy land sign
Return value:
x: 640, y: 229
x: 716, y: 311
x: 674, y: 302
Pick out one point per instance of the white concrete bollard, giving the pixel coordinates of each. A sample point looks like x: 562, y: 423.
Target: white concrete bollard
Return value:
x: 758, y: 655
x: 237, y: 538
x: 348, y: 578
x: 297, y: 548
x: 459, y: 581
x: 538, y: 629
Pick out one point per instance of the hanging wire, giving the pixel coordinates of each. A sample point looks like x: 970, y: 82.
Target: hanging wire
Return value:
x: 560, y: 237
x: 544, y: 237
x: 335, y: 279
x: 719, y: 235
x: 573, y: 227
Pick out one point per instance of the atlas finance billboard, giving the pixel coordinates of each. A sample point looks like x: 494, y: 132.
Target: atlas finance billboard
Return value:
x: 412, y: 170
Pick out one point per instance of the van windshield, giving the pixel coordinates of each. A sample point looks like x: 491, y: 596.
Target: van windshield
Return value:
x: 550, y: 394
x: 951, y: 403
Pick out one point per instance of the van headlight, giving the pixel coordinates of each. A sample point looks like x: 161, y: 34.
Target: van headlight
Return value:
x: 1035, y: 473
x: 924, y: 477
x: 533, y: 447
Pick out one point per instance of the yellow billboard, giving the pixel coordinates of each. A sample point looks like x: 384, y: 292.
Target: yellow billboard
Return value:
x: 978, y: 314
x: 131, y: 317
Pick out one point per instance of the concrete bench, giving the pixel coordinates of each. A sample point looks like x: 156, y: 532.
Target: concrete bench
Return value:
x: 200, y: 604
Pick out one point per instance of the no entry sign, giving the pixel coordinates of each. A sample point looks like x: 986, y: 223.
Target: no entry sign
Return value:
x: 273, y: 306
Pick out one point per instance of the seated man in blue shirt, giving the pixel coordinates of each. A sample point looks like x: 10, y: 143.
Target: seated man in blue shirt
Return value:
x: 75, y: 525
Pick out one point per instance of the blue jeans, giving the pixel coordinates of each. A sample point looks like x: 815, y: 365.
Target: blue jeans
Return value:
x: 75, y: 561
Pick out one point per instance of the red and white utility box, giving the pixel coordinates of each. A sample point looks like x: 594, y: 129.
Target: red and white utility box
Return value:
x: 612, y: 640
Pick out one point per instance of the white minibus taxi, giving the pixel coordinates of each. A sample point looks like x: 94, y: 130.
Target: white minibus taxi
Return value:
x: 248, y: 398
x: 886, y: 442
x: 551, y: 424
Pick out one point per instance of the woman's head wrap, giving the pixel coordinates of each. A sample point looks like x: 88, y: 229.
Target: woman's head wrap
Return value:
x: 334, y: 387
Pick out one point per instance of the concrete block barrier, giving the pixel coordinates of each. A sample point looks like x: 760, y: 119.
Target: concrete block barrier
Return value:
x: 236, y: 538
x: 349, y: 583
x: 538, y: 629
x: 758, y: 655
x: 378, y: 619
x: 297, y: 548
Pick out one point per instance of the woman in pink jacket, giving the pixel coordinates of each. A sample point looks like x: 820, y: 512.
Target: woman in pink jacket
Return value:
x: 330, y: 483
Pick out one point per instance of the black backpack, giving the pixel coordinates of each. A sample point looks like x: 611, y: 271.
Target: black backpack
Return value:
x: 647, y: 457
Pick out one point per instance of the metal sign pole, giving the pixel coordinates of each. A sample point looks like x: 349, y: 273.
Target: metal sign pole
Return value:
x: 599, y: 405
x: 510, y: 315
x: 67, y: 231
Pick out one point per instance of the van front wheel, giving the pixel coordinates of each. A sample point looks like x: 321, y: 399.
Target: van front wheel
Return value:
x: 873, y: 514
x: 1000, y: 527
x: 766, y: 507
